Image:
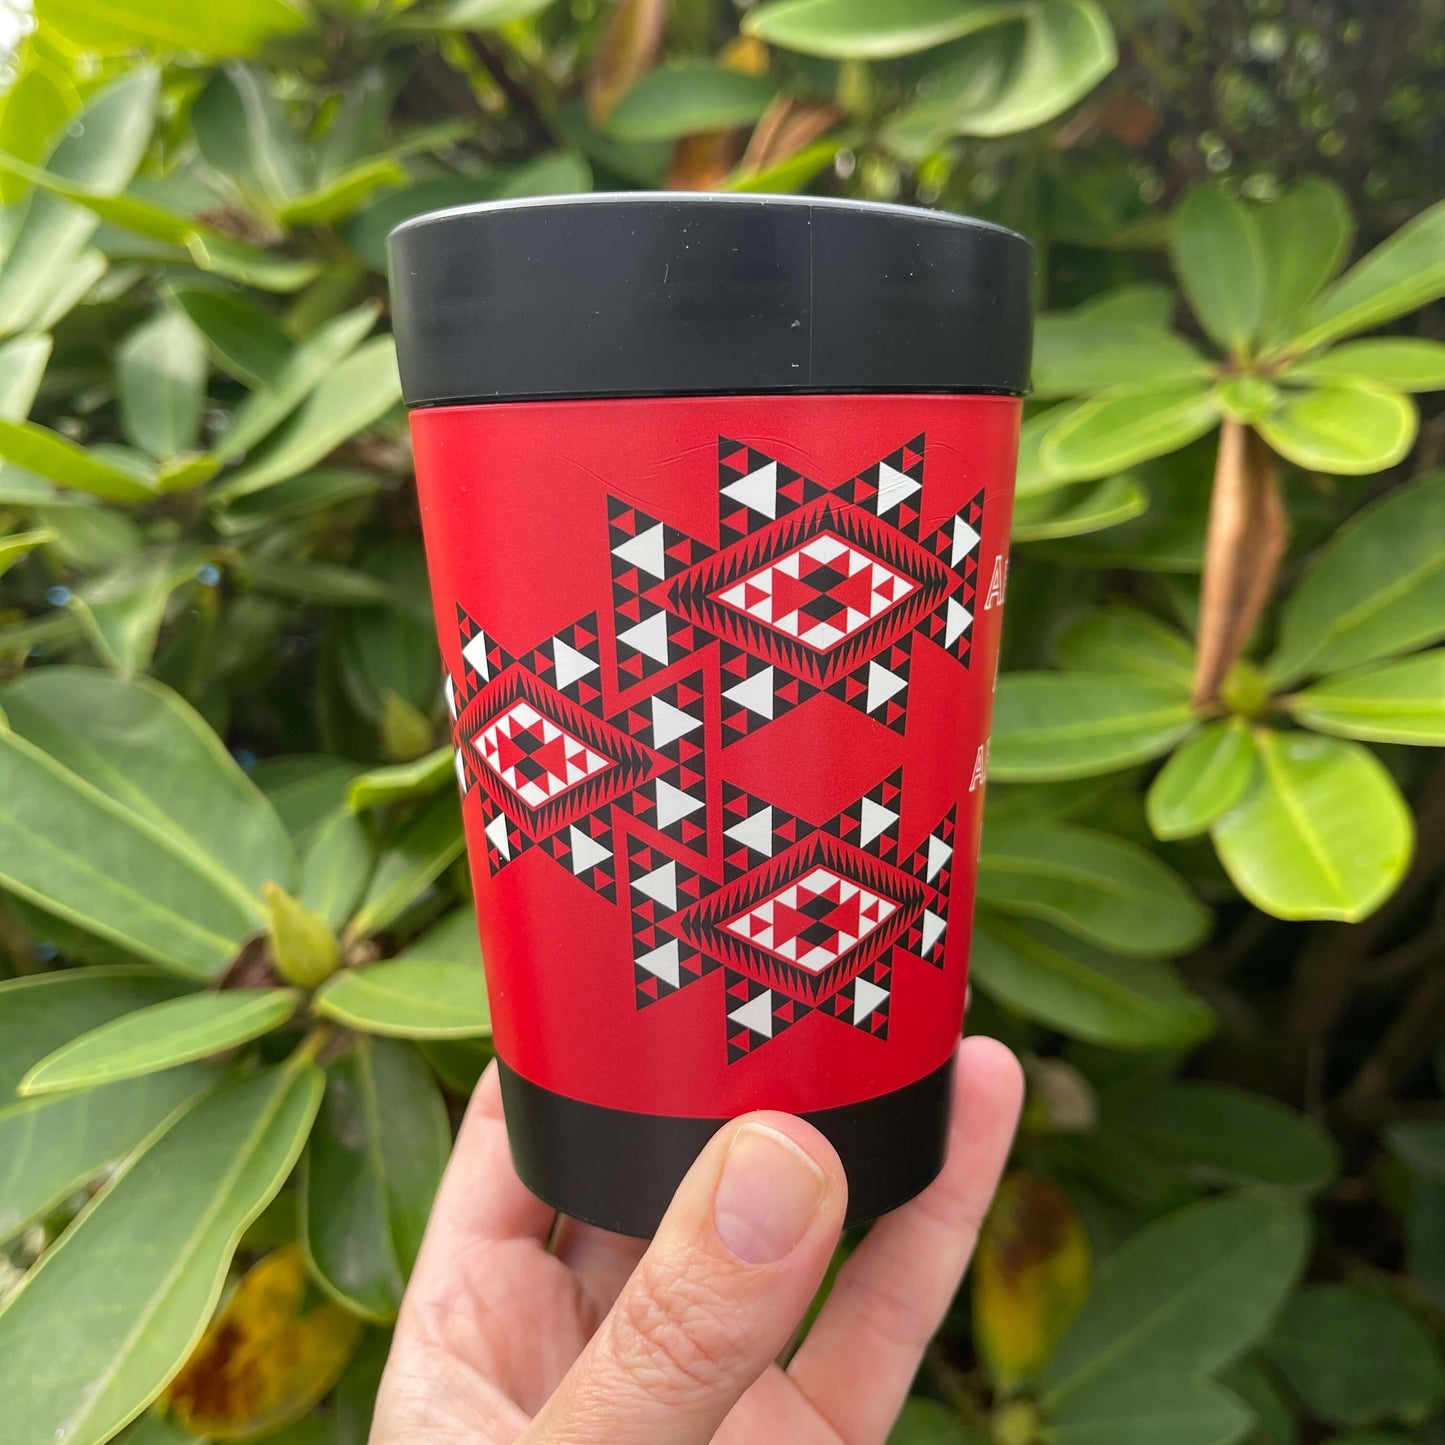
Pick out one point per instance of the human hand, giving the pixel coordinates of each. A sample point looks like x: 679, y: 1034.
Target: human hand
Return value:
x: 605, y: 1340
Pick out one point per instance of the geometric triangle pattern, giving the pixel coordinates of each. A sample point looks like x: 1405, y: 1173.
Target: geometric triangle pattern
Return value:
x: 931, y: 863
x: 672, y: 723
x: 754, y: 830
x: 872, y: 822
x: 658, y: 885
x: 957, y: 543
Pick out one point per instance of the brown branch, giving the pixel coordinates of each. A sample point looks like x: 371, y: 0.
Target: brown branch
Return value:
x: 518, y: 96
x: 1248, y: 534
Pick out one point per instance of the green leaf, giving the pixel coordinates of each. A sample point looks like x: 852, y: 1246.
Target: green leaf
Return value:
x: 1306, y: 236
x: 121, y: 611
x: 353, y: 395
x: 1324, y: 833
x: 687, y: 99
x: 241, y: 337
x: 99, y: 150
x: 1119, y: 428
x: 1220, y: 1134
x: 178, y: 1031
x: 306, y: 789
x: 1401, y: 274
x: 1394, y: 363
x: 161, y: 376
x: 1105, y: 890
x: 1121, y: 639
x: 435, y: 989
x: 1274, y: 1414
x: 926, y: 1422
x: 376, y: 1157
x: 19, y: 545
x: 22, y: 365
x: 34, y: 110
x: 73, y: 1375
x: 335, y: 868
x: 1401, y: 702
x: 303, y: 946
x: 341, y: 194
x: 470, y: 14
x: 1123, y: 1003
x: 1344, y: 429
x: 1420, y: 1145
x: 1153, y: 1409
x: 53, y: 1146
x: 863, y: 30
x: 1205, y: 778
x: 41, y: 1013
x: 365, y: 232
x: 296, y: 497
x: 1074, y: 353
x: 1079, y: 511
x: 1219, y: 256
x: 1188, y: 1293
x: 238, y: 27
x: 50, y: 455
x: 242, y: 132
x: 317, y: 582
x: 1355, y: 1356
x: 1053, y: 725
x: 250, y: 265
x: 402, y: 781
x: 410, y: 861
x: 134, y: 823
x: 1377, y: 588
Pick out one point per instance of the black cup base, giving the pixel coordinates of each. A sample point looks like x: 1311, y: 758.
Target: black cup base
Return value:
x: 618, y: 1169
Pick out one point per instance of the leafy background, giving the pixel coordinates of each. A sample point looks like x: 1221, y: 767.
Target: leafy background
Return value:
x: 240, y: 1001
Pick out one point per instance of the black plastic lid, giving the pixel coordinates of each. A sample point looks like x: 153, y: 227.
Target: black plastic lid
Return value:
x: 649, y: 294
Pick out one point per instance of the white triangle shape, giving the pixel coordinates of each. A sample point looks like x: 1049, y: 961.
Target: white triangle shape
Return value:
x: 882, y: 685
x: 956, y: 621
x: 758, y: 491
x: 893, y: 487
x: 673, y: 803
x: 756, y: 832
x: 570, y: 663
x: 756, y: 1014
x: 450, y: 689
x: 461, y: 773
x: 933, y: 927
x: 965, y: 539
x: 873, y: 819
x: 586, y: 852
x: 939, y: 853
x: 496, y: 832
x: 670, y: 723
x: 663, y: 963
x: 754, y: 693
x: 646, y: 551
x: 475, y: 652
x: 649, y: 636
x: 866, y: 997
x: 660, y: 885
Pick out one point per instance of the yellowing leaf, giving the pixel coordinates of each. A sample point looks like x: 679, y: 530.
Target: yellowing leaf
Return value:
x: 1030, y: 1276
x: 265, y: 1359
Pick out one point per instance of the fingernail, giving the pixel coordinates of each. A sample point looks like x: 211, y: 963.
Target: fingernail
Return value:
x: 767, y: 1196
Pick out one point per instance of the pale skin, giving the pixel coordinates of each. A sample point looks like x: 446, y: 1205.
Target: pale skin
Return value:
x: 519, y: 1326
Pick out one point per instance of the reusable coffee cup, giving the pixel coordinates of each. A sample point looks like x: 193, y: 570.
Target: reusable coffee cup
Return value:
x: 715, y: 492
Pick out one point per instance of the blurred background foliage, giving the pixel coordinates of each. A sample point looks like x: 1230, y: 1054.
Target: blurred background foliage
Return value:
x: 240, y: 1001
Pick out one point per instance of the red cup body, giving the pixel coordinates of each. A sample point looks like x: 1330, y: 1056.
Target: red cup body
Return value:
x: 720, y: 671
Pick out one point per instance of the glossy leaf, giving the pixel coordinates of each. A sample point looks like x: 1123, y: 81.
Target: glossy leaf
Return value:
x: 121, y: 611
x: 471, y: 14
x: 1221, y: 1134
x: 336, y: 867
x: 1324, y: 832
x: 1124, y: 1003
x: 236, y: 28
x: 1122, y: 640
x: 1395, y: 363
x: 266, y: 1358
x: 1377, y: 588
x: 1105, y: 890
x: 1119, y: 428
x: 50, y: 455
x: 1343, y: 429
x: 1074, y: 353
x: 338, y: 196
x: 1050, y: 725
x: 134, y: 823
x: 1305, y: 236
x: 1401, y: 702
x: 409, y: 862
x: 353, y: 395
x: 161, y: 1036
x: 686, y: 99
x: 74, y: 1375
x: 1219, y: 256
x: 161, y: 374
x: 1188, y: 1293
x: 861, y: 30
x: 241, y: 337
x: 433, y: 989
x: 243, y: 133
x: 402, y: 781
x: 1401, y: 274
x: 1079, y: 510
x: 305, y: 789
x: 18, y: 545
x: 375, y: 1161
x: 23, y: 360
x: 1030, y: 1276
x: 1355, y: 1356
x: 1153, y: 1409
x: 1201, y: 781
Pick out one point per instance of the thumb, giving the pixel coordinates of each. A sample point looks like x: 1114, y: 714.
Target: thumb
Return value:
x: 736, y: 1261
